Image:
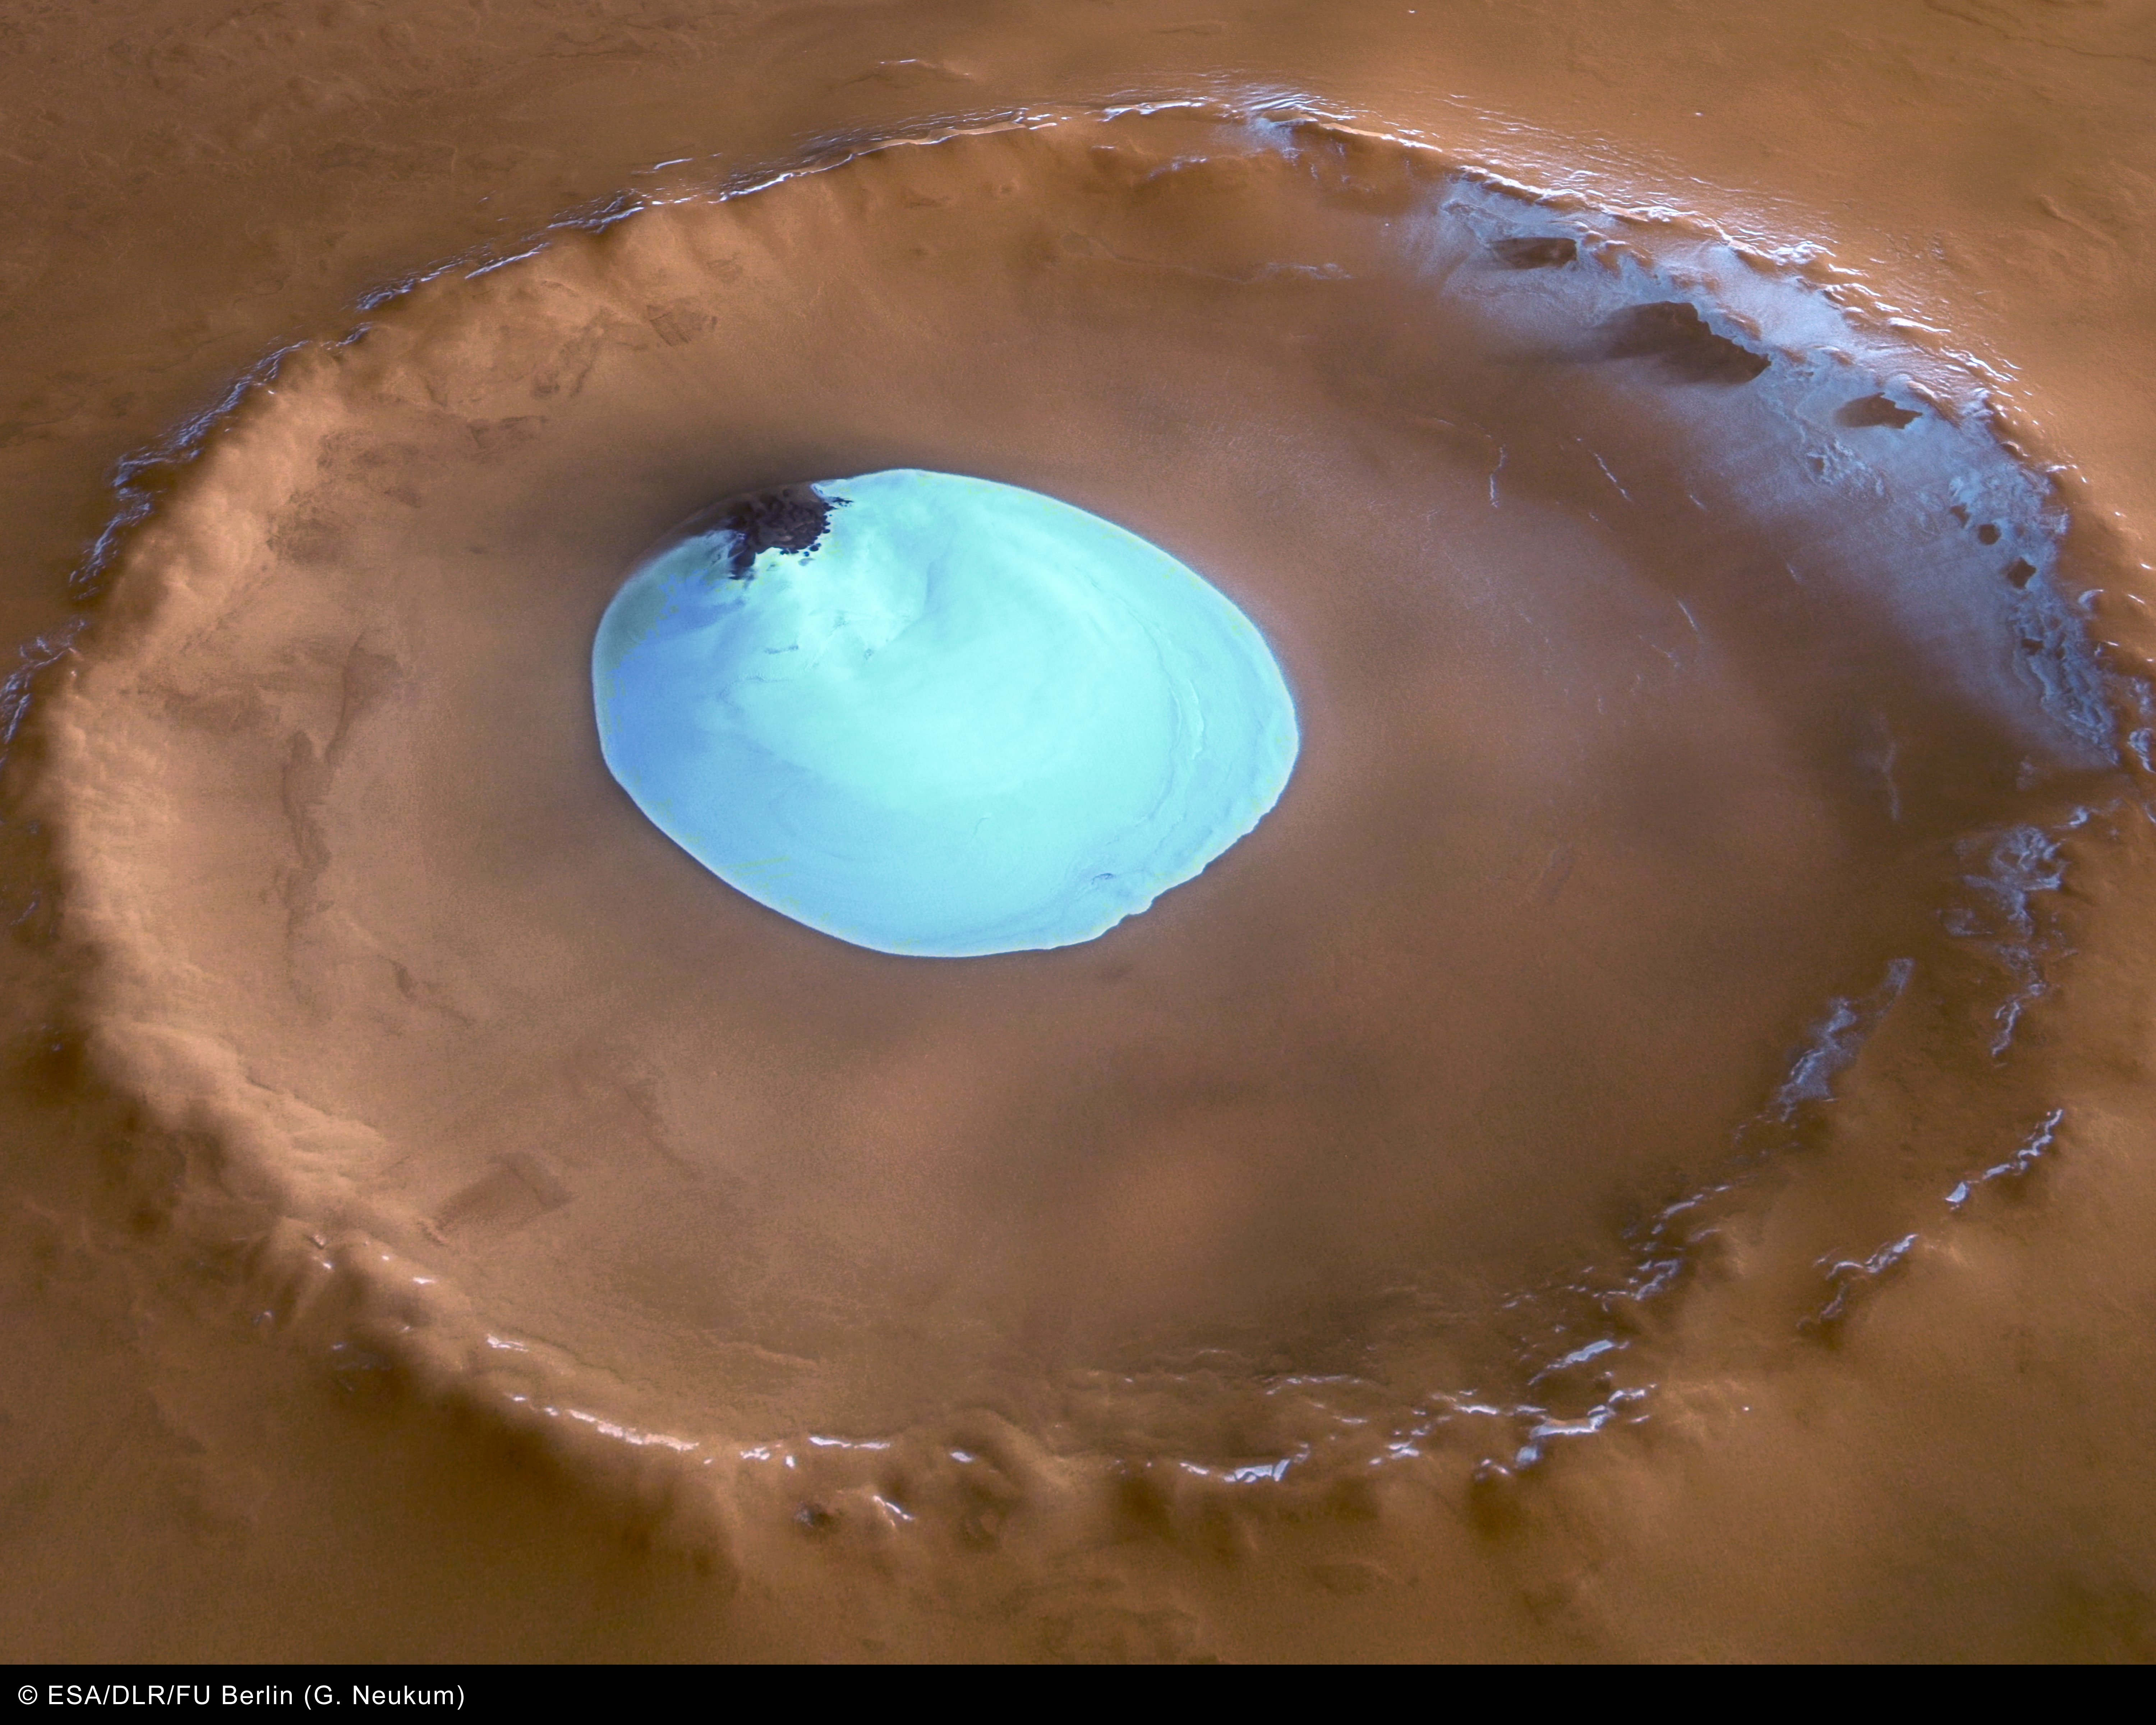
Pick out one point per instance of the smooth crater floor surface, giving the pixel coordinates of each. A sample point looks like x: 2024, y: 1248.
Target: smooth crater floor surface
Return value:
x: 962, y: 719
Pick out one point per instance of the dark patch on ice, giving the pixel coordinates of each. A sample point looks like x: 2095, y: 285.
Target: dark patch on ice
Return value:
x: 790, y: 518
x: 1672, y: 333
x: 1987, y: 534
x: 2020, y: 571
x: 1533, y: 251
x: 1875, y: 410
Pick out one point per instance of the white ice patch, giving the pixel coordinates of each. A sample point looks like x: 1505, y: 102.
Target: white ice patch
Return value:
x: 972, y: 719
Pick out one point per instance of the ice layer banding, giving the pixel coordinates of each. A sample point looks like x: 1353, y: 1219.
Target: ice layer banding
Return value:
x: 938, y: 716
x: 1672, y: 643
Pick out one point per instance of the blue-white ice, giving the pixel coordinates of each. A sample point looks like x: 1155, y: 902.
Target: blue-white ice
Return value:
x: 972, y: 720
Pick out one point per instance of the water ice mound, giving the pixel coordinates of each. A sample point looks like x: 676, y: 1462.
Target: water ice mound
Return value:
x: 939, y: 716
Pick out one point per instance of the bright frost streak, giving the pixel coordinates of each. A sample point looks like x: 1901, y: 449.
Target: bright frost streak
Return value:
x: 972, y: 720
